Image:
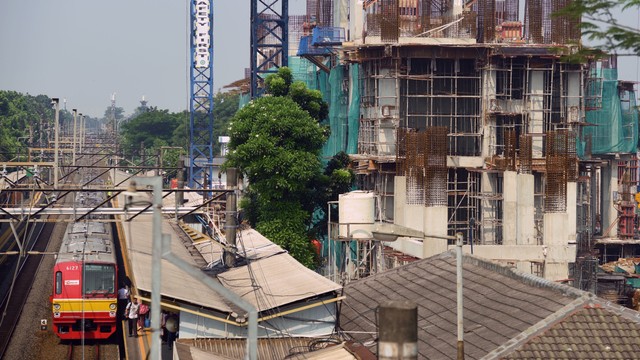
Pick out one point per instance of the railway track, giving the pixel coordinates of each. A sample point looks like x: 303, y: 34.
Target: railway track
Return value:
x: 14, y: 300
x: 86, y: 352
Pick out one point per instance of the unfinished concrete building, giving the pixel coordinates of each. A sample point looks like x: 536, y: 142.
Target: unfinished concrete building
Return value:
x: 466, y: 121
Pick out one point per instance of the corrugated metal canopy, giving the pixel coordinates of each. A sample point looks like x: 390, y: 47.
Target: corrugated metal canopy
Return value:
x: 271, y: 279
x: 175, y: 283
x: 279, y: 348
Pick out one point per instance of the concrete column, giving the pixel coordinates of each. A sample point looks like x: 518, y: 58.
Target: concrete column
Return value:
x: 525, y: 221
x: 510, y: 207
x: 399, y: 199
x: 489, y: 96
x: 609, y: 190
x: 572, y: 194
x: 487, y: 230
x: 556, y: 267
x: 536, y: 105
x: 574, y: 89
x: 435, y: 223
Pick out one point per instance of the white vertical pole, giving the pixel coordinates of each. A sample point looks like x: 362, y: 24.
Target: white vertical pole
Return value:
x: 75, y: 114
x: 56, y: 129
x: 459, y: 294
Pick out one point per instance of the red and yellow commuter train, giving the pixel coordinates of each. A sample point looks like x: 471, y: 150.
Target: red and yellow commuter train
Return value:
x: 84, y: 297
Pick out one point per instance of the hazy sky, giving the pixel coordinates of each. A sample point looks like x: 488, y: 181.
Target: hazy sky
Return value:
x: 85, y: 50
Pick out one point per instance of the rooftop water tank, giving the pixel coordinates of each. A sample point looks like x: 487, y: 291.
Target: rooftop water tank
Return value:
x: 357, y: 209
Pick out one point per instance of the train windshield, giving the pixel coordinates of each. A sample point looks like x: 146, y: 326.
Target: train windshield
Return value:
x: 99, y: 279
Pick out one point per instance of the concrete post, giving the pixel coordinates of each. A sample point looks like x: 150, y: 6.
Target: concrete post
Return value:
x: 510, y: 213
x: 397, y: 330
x: 536, y: 108
x: 230, y: 218
x: 435, y: 223
x: 525, y: 222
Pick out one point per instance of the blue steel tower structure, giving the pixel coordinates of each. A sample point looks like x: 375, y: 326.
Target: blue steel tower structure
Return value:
x: 201, y: 95
x: 269, y: 40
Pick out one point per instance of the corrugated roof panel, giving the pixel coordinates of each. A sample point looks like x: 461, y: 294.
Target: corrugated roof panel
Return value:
x: 280, y: 348
x: 175, y: 283
x: 280, y: 280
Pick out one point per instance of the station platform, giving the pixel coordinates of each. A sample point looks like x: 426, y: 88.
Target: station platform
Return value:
x: 263, y: 277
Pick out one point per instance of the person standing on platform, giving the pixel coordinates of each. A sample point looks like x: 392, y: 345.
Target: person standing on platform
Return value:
x: 123, y: 299
x: 132, y: 316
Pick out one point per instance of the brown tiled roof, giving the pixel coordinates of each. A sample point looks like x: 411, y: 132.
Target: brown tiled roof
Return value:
x: 596, y: 331
x: 499, y: 304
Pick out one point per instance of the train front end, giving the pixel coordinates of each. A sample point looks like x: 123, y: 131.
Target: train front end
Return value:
x: 84, y: 300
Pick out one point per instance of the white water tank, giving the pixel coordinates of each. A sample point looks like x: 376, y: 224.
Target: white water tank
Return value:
x: 357, y: 209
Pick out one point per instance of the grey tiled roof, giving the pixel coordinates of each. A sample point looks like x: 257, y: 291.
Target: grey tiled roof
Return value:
x: 499, y: 304
x: 595, y: 331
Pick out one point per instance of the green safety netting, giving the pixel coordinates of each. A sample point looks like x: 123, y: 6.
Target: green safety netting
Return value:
x: 341, y: 89
x: 613, y: 127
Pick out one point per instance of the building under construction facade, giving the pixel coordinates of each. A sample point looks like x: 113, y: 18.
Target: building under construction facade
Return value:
x: 462, y: 117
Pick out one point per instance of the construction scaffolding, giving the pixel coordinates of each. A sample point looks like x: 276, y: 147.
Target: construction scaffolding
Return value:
x: 446, y: 93
x: 464, y: 204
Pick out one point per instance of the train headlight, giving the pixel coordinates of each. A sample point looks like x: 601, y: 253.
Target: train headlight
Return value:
x: 112, y: 306
x: 56, y: 307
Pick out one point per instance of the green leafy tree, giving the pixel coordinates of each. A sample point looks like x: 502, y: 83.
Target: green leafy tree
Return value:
x: 25, y: 120
x: 149, y: 131
x: 117, y: 111
x: 601, y: 26
x: 276, y: 144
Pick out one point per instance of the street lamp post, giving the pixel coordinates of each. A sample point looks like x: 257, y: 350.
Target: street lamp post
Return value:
x: 56, y: 103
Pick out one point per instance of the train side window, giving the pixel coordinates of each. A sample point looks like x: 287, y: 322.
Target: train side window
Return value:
x: 58, y: 282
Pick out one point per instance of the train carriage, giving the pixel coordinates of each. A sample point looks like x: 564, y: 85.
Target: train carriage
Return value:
x: 84, y: 297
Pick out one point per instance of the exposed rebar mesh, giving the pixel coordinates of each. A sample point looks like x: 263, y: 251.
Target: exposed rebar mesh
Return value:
x: 511, y: 10
x: 488, y: 10
x: 401, y: 152
x: 510, y: 148
x: 525, y: 154
x: 389, y: 21
x: 572, y: 157
x: 415, y: 151
x: 325, y: 12
x: 435, y: 165
x: 563, y: 29
x: 555, y: 190
x: 533, y: 21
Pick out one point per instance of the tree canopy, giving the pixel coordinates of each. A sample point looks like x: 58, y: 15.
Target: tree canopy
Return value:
x: 275, y: 142
x: 602, y: 27
x: 25, y: 120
